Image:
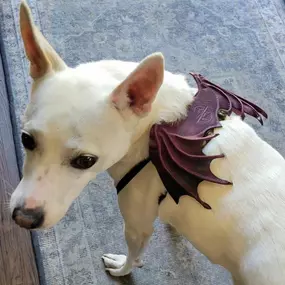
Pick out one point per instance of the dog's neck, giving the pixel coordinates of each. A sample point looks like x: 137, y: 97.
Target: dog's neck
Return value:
x: 170, y: 105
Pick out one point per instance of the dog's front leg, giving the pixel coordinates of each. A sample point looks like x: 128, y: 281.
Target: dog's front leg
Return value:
x: 120, y: 265
x: 138, y: 204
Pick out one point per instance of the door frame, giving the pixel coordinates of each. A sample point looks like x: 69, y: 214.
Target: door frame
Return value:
x: 17, y: 257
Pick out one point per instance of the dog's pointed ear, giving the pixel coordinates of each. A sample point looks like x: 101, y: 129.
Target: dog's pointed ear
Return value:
x: 139, y: 89
x: 43, y: 58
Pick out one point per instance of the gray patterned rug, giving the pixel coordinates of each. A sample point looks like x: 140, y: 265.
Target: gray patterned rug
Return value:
x: 237, y: 43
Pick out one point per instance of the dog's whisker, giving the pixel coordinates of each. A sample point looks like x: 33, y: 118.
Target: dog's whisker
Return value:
x: 10, y: 186
x: 5, y: 205
x: 8, y: 193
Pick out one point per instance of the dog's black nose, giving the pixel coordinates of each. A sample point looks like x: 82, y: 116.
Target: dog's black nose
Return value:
x: 28, y: 218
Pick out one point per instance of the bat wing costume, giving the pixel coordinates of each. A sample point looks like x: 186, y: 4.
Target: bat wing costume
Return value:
x: 175, y: 149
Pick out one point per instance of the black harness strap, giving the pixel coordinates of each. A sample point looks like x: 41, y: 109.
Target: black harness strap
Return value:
x: 131, y: 174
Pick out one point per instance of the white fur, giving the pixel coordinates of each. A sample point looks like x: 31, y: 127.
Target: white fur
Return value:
x: 72, y: 110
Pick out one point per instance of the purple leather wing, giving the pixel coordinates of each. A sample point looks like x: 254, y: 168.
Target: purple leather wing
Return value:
x: 176, y: 149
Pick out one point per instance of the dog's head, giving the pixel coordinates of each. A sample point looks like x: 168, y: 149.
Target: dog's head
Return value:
x: 78, y: 122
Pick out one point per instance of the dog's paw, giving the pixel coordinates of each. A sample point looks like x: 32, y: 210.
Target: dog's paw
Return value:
x: 115, y: 261
x: 116, y: 264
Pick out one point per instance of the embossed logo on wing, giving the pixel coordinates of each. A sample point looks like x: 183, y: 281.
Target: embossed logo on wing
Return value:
x: 204, y: 114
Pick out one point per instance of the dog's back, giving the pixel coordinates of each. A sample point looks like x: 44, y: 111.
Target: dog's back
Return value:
x: 245, y: 230
x: 256, y: 204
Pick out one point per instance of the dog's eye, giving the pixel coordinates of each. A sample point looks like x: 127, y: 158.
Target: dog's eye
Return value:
x: 83, y: 161
x: 28, y: 141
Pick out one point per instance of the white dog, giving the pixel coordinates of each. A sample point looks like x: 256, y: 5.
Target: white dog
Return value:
x: 97, y: 117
